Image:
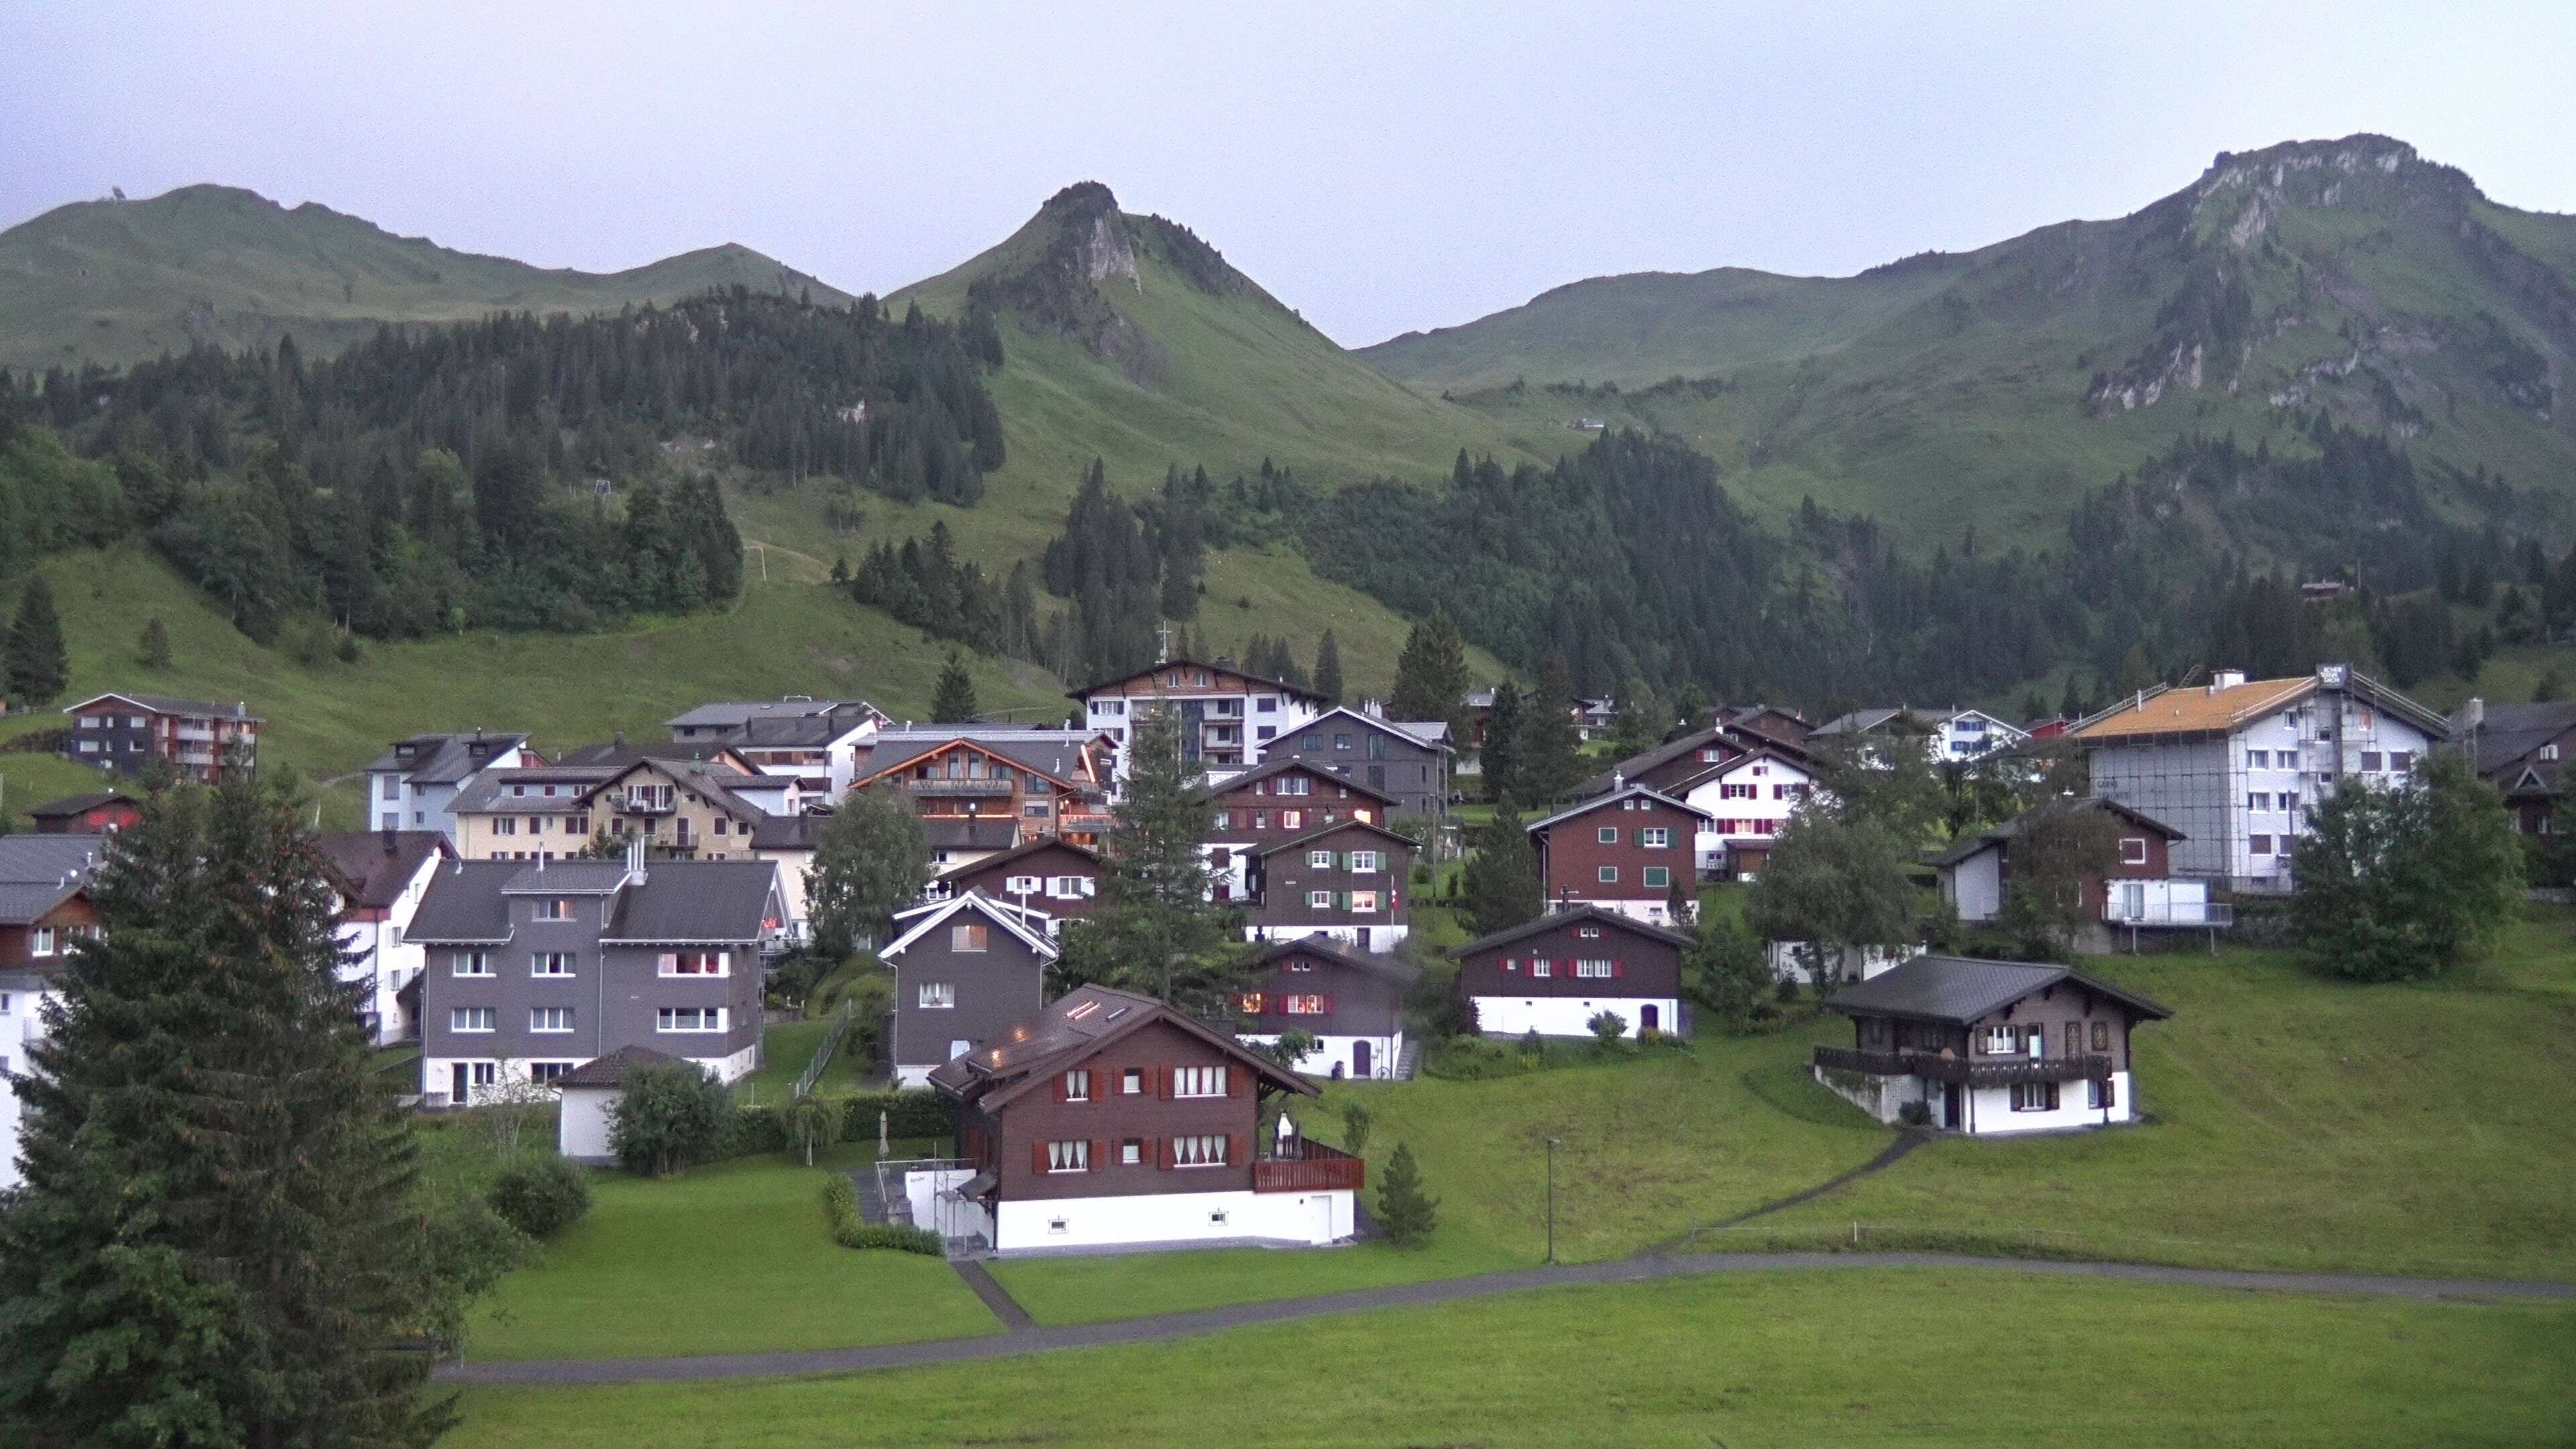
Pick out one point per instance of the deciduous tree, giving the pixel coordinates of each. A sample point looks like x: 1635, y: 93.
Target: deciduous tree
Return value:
x: 2415, y: 880
x: 871, y: 859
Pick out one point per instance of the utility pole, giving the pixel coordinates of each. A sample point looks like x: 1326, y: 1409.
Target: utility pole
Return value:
x: 1551, y: 1200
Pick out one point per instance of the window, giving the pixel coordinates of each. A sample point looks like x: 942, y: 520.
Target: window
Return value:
x: 1608, y: 875
x: 550, y: 1018
x: 1072, y: 1156
x: 1607, y: 835
x: 1265, y: 704
x: 690, y: 1018
x: 969, y: 937
x: 1198, y: 1081
x: 2372, y: 760
x: 2133, y: 850
x: 1304, y: 1005
x: 2034, y: 1096
x: 697, y: 963
x: 1655, y: 837
x: 937, y: 995
x: 1021, y: 885
x: 1077, y: 1085
x: 1320, y: 859
x: 2258, y: 844
x: 2100, y: 1095
x: 536, y: 825
x: 43, y: 944
x: 2258, y: 800
x: 2258, y: 759
x: 2002, y: 1041
x: 505, y: 825
x: 1364, y: 862
x: 1294, y: 785
x: 1251, y: 1003
x: 1319, y: 900
x: 1596, y: 968
x: 550, y: 963
x: 470, y: 1018
x: 2547, y: 751
x: 1222, y: 820
x: 393, y: 787
x: 2101, y: 1036
x: 546, y: 1074
x: 1292, y: 819
x: 1310, y: 742
x: 1541, y: 967
x: 1739, y: 792
x: 573, y: 824
x: 1068, y: 887
x: 1660, y: 876
x: 1260, y: 819
x: 1131, y: 1153
x: 1035, y: 810
x: 472, y: 963
x: 1131, y: 1082
x: 1341, y: 742
x: 1377, y: 747
x: 1205, y: 1151
x: 2404, y: 760
x: 1363, y: 902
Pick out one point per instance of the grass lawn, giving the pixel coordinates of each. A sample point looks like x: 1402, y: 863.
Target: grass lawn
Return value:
x: 727, y: 1259
x: 789, y: 1048
x: 1882, y: 1358
x: 1649, y: 1147
x: 2298, y: 1123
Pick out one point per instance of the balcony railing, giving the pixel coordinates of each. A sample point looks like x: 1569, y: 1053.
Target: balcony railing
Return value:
x: 1306, y: 1166
x: 644, y: 805
x: 1966, y: 1071
x: 955, y: 789
x: 2172, y: 913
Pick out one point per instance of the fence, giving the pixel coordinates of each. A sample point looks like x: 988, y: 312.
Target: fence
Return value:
x: 831, y: 1042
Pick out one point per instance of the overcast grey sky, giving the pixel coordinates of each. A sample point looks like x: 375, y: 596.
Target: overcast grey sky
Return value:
x: 1381, y: 167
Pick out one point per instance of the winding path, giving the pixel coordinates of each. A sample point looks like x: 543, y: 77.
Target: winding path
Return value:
x: 1163, y: 1326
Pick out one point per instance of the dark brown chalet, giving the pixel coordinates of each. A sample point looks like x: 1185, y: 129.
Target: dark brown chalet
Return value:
x: 1046, y: 875
x: 1351, y: 881
x: 44, y: 898
x: 2521, y: 749
x: 97, y: 813
x: 1276, y: 802
x: 1680, y: 763
x: 1351, y: 1002
x: 1554, y: 974
x: 1110, y: 1119
x: 1624, y: 851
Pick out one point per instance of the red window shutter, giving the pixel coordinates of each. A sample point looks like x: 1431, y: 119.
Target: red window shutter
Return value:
x: 1618, y: 967
x: 1328, y: 1006
x: 1059, y: 1086
x: 1233, y: 1148
x: 1235, y: 1078
x: 1038, y: 1149
x: 1163, y: 1083
x: 1163, y: 1151
x: 1099, y: 1154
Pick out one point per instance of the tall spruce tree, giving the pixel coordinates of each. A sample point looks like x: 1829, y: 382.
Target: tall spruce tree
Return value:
x: 1431, y: 675
x: 1547, y: 754
x: 1156, y: 930
x: 1328, y: 667
x: 1501, y: 883
x: 1501, y: 755
x: 156, y: 644
x: 38, y: 664
x: 217, y: 1240
x: 953, y: 702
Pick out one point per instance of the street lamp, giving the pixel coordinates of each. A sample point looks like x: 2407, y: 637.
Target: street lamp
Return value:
x: 1551, y: 1199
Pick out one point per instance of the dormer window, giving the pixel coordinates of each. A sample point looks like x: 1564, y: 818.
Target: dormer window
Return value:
x: 558, y: 909
x: 2549, y: 751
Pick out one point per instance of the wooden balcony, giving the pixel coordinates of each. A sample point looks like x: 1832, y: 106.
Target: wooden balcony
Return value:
x: 1308, y: 1167
x: 1966, y: 1071
x: 938, y: 788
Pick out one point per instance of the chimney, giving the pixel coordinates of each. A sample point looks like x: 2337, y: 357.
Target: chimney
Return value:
x: 635, y: 859
x: 1618, y: 780
x: 388, y: 840
x: 2225, y: 679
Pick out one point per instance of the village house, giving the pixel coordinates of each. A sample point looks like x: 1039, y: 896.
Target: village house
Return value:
x: 380, y: 877
x: 413, y: 785
x: 2139, y: 893
x: 99, y: 812
x: 983, y: 789
x: 1554, y: 974
x: 2521, y: 749
x: 588, y: 1095
x: 1749, y: 785
x: 44, y: 908
x: 1111, y: 1120
x: 1352, y: 882
x: 788, y: 842
x: 1595, y: 716
x: 1047, y: 876
x: 1351, y: 1002
x: 1228, y: 717
x: 2237, y: 765
x: 679, y: 808
x: 1952, y: 736
x: 1987, y: 1047
x: 723, y: 722
x: 1409, y: 761
x: 816, y: 742
x: 1624, y: 851
x: 1275, y: 802
x: 966, y: 969
x: 533, y: 968
x: 121, y: 731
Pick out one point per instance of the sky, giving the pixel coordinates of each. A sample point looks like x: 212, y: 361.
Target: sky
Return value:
x: 1380, y: 167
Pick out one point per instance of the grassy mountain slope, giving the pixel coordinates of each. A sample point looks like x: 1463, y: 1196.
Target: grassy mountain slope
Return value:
x: 792, y: 634
x: 1993, y: 388
x: 119, y: 281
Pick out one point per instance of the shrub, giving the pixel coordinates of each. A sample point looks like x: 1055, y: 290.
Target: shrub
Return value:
x: 1915, y: 1114
x: 669, y: 1117
x: 841, y: 1212
x: 540, y: 1195
x: 1606, y: 1028
x: 1406, y: 1212
x: 1355, y: 1126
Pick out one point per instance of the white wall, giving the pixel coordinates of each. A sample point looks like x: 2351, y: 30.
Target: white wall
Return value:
x: 1332, y: 1055
x: 438, y: 1074
x: 1872, y: 960
x: 1176, y: 1217
x: 1984, y: 1111
x: 1566, y: 1015
x: 949, y: 1217
x: 581, y: 1133
x: 1976, y: 885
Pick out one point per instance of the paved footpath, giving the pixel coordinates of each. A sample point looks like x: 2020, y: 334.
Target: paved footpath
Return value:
x: 1162, y: 1326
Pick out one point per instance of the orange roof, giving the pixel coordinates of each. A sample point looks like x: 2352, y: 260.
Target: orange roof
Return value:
x: 2196, y: 709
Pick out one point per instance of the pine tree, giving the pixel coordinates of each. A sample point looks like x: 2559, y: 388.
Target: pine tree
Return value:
x: 1500, y: 884
x: 1548, y: 749
x: 954, y: 700
x: 1404, y: 1210
x: 1156, y: 930
x: 1431, y: 675
x: 1501, y: 753
x: 156, y: 644
x: 217, y: 1240
x: 38, y: 665
x: 1328, y: 668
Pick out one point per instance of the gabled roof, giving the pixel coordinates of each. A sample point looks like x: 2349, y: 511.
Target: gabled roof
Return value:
x: 443, y: 759
x: 1585, y: 807
x: 171, y: 704
x: 1433, y: 735
x: 925, y: 919
x: 464, y: 904
x: 1055, y: 753
x: 1237, y: 670
x: 40, y: 872
x: 1083, y: 1021
x: 786, y: 832
x: 1960, y: 989
x: 736, y: 713
x: 490, y: 792
x: 567, y: 878
x: 2195, y: 710
x: 697, y: 903
x: 619, y: 755
x: 1550, y: 920
x: 71, y: 805
x: 1300, y: 842
x: 611, y: 1070
x: 1384, y: 967
x: 1268, y: 768
x: 970, y: 834
x: 2508, y: 732
x: 1019, y: 852
x: 374, y: 867
x: 1968, y: 845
